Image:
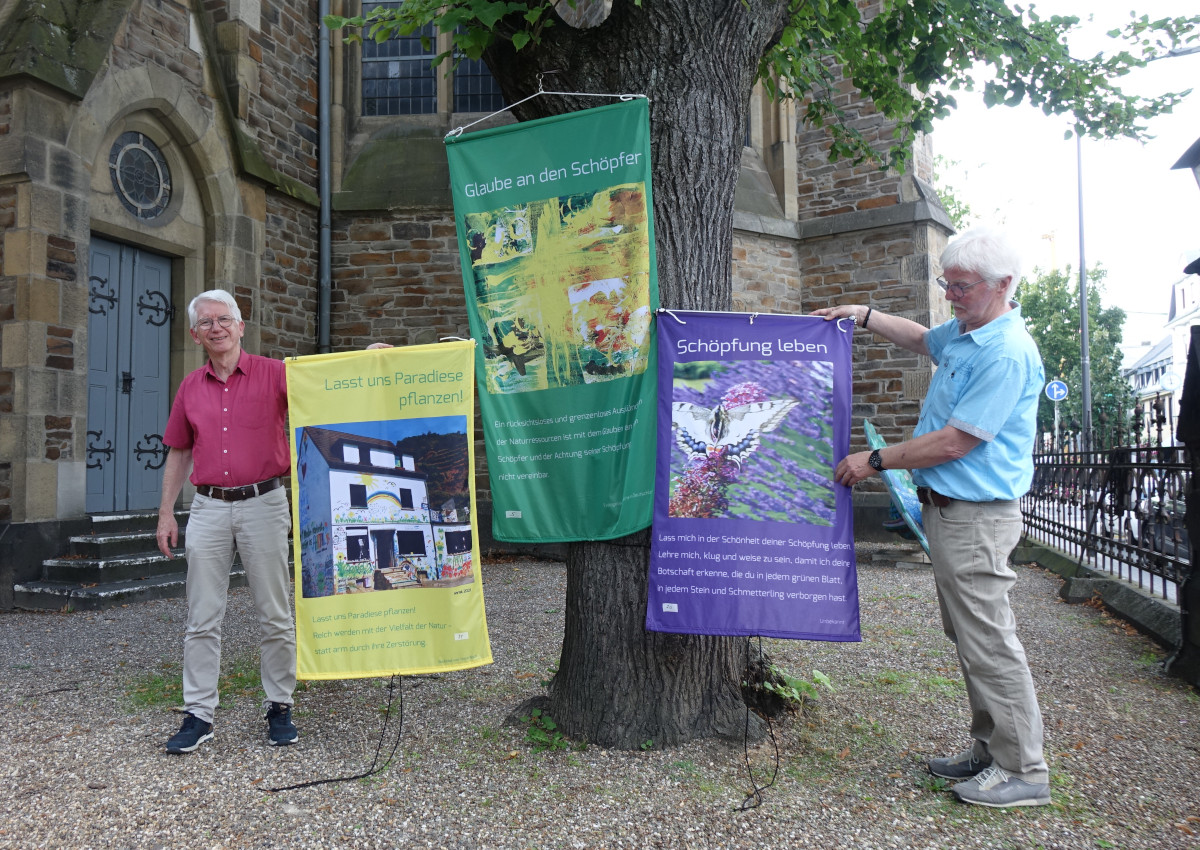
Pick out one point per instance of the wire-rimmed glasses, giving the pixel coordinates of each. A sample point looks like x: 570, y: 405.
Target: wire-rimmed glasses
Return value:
x: 207, y: 324
x: 958, y: 290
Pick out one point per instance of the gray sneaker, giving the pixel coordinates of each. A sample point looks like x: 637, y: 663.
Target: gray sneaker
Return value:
x: 996, y: 787
x: 961, y: 766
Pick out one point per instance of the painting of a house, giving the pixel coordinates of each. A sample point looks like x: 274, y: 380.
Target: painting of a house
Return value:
x: 366, y: 521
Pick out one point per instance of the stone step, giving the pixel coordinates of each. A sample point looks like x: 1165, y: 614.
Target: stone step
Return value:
x: 117, y: 543
x: 112, y: 523
x: 118, y: 562
x: 123, y: 567
x: 72, y: 596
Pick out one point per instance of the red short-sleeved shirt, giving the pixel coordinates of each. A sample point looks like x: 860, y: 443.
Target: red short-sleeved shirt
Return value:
x: 235, y: 428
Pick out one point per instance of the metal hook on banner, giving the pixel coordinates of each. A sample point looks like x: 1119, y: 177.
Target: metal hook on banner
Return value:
x: 753, y: 316
x: 672, y: 315
x: 853, y: 323
x: 458, y: 131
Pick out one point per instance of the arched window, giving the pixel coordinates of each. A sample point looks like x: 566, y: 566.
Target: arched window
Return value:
x: 398, y: 77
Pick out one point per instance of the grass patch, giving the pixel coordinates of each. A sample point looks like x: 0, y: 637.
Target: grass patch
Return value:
x: 896, y: 681
x: 1150, y: 658
x: 945, y: 685
x: 164, y: 687
x: 926, y: 684
x: 688, y: 774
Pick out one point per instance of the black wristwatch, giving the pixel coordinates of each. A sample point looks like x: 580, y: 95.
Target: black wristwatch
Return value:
x: 875, y: 461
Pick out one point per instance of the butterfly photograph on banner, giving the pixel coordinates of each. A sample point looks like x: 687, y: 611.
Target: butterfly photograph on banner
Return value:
x: 745, y: 445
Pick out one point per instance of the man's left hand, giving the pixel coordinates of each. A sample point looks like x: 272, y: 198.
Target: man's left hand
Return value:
x: 853, y: 468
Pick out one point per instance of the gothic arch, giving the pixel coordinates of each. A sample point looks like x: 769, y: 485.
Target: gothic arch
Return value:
x: 200, y: 228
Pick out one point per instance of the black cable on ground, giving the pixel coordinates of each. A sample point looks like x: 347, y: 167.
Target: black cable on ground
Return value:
x: 754, y: 799
x: 393, y: 689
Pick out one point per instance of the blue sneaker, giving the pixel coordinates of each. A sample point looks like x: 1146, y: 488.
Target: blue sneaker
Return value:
x: 279, y: 725
x: 190, y: 736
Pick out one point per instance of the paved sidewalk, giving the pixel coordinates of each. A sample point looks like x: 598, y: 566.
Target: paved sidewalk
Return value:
x: 82, y: 768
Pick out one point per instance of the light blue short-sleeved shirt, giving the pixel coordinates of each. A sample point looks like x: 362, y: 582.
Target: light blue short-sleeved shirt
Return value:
x: 986, y: 384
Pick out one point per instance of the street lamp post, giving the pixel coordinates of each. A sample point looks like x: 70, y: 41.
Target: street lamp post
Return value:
x: 1085, y: 364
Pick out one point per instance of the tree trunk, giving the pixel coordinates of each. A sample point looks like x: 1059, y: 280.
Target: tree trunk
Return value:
x: 619, y: 685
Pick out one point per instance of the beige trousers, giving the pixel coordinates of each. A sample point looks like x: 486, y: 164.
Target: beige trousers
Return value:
x: 258, y: 530
x: 969, y: 545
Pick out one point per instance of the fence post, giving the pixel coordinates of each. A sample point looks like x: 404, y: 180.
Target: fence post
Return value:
x: 1185, y: 662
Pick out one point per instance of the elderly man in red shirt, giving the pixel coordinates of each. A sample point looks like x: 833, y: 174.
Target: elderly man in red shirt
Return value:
x: 227, y: 426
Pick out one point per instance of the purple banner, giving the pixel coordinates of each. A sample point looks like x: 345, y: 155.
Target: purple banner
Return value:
x: 751, y: 534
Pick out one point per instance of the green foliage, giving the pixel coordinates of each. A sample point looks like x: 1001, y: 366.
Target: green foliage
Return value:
x: 909, y: 59
x: 476, y: 24
x: 936, y: 783
x: 1050, y: 305
x: 913, y: 55
x: 543, y: 734
x: 794, y: 691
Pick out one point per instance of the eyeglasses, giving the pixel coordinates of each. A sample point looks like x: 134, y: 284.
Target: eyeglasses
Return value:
x: 207, y: 324
x: 958, y: 290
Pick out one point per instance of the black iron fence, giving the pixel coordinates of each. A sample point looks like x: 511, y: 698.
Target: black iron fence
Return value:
x: 1115, y: 504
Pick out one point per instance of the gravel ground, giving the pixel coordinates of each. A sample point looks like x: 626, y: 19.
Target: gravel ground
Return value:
x: 83, y: 767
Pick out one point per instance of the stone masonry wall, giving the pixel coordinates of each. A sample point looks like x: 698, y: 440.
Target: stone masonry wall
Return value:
x: 157, y: 34
x: 269, y: 68
x: 766, y: 274
x: 284, y: 112
x: 288, y: 300
x: 396, y: 278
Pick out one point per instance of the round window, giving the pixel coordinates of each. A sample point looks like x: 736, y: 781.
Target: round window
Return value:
x: 140, y: 175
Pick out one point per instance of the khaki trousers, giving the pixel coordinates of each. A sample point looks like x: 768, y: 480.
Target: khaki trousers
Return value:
x: 258, y: 530
x: 969, y: 545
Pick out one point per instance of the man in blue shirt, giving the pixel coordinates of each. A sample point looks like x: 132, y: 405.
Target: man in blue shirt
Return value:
x: 972, y: 459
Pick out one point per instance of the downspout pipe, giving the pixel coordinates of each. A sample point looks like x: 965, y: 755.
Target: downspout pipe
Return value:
x: 324, y: 277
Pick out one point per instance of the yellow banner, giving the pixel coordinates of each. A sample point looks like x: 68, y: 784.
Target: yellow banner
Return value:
x: 383, y: 512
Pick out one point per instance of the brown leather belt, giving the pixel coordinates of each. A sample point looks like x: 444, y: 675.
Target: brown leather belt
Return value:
x: 238, y: 494
x: 932, y: 497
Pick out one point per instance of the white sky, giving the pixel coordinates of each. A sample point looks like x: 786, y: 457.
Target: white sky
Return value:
x: 1141, y: 217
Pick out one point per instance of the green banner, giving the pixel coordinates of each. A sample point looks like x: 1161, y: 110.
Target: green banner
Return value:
x: 556, y: 238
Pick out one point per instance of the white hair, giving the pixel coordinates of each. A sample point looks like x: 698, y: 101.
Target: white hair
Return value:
x: 219, y: 296
x: 986, y: 252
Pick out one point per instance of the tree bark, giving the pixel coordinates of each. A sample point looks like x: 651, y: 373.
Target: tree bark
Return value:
x: 619, y: 685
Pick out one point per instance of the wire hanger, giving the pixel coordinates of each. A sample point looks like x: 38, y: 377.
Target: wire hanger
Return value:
x: 458, y: 131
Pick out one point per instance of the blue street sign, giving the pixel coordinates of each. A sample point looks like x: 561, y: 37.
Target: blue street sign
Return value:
x: 1056, y: 390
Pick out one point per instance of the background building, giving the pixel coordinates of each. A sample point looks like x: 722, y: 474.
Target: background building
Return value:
x: 1157, y: 375
x: 153, y: 149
